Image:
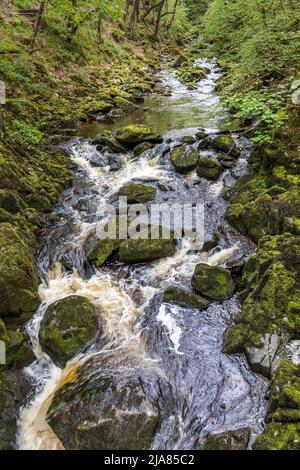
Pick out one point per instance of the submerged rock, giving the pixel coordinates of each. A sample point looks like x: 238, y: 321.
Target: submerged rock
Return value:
x: 184, y: 158
x: 229, y: 440
x: 226, y: 144
x: 128, y: 421
x: 138, y: 193
x: 143, y: 147
x: 68, y: 325
x: 209, y: 168
x: 136, y: 134
x: 176, y: 295
x: 213, y: 282
x: 140, y: 250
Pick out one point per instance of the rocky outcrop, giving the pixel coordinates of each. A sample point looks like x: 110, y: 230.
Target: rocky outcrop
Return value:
x: 68, y: 325
x: 213, y: 282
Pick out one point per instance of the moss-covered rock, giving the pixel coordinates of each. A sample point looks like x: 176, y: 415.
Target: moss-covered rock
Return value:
x: 142, y: 249
x: 209, y: 168
x: 278, y: 436
x: 18, y: 349
x: 143, y: 147
x: 213, y: 282
x: 128, y: 421
x: 271, y: 309
x: 68, y: 325
x: 18, y: 276
x: 136, y: 134
x: 230, y: 440
x: 176, y: 295
x: 138, y: 193
x: 184, y: 158
x: 101, y: 251
x: 226, y: 144
x: 108, y: 141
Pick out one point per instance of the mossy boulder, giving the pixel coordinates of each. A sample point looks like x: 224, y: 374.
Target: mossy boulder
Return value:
x: 128, y: 421
x: 278, y: 436
x: 229, y: 440
x: 18, y: 276
x: 209, y: 169
x: 213, y: 282
x: 138, y: 193
x: 68, y: 325
x: 108, y: 141
x: 18, y: 349
x: 101, y: 251
x: 142, y: 249
x: 226, y: 144
x: 136, y: 134
x: 141, y: 148
x: 176, y: 295
x: 271, y: 309
x: 184, y: 158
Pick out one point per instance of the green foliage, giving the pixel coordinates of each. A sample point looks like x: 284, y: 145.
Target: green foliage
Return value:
x: 25, y: 134
x: 258, y: 38
x: 260, y: 107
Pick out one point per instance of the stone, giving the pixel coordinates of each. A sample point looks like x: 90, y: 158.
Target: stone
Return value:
x: 101, y: 251
x: 136, y: 134
x: 140, y: 250
x: 213, y: 282
x: 176, y: 295
x: 226, y: 144
x: 229, y: 440
x: 138, y: 193
x: 184, y: 158
x: 68, y: 325
x: 141, y: 148
x: 209, y: 169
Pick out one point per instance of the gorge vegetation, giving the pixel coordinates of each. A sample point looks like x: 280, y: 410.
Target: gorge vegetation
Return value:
x: 75, y: 61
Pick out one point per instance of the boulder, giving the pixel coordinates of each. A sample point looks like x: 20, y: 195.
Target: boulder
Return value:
x: 176, y: 295
x: 205, y: 143
x: 68, y: 325
x: 108, y: 141
x: 184, y: 158
x: 101, y: 251
x: 213, y: 282
x: 143, y: 147
x: 17, y: 347
x: 140, y: 250
x: 188, y: 139
x: 226, y: 144
x: 209, y: 169
x: 109, y: 412
x: 138, y: 193
x: 136, y: 134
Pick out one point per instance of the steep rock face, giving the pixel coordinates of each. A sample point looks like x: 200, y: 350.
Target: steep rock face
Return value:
x: 128, y: 421
x: 213, y: 282
x: 271, y: 309
x: 68, y: 325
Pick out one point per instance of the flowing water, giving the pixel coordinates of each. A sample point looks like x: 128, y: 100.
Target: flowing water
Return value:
x: 176, y: 352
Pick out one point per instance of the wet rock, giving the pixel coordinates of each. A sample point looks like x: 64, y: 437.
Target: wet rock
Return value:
x: 98, y: 160
x: 136, y: 134
x: 211, y: 244
x: 101, y: 251
x: 188, y: 139
x: 204, y: 144
x: 18, y: 348
x: 226, y: 144
x: 115, y: 162
x: 143, y: 147
x: 229, y: 440
x: 271, y: 280
x: 176, y: 295
x: 108, y: 141
x: 138, y: 193
x: 128, y: 421
x: 68, y: 325
x: 18, y: 277
x: 213, y: 282
x: 10, y: 201
x: 282, y: 431
x: 142, y: 249
x: 14, y: 388
x: 184, y: 158
x: 209, y: 169
x: 124, y: 105
x: 202, y: 134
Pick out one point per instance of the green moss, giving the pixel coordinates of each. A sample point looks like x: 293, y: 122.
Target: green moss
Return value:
x: 184, y: 158
x: 135, y: 134
x: 142, y: 249
x: 138, y: 193
x: 176, y: 295
x: 279, y: 437
x: 101, y: 251
x: 226, y: 144
x: 209, y: 168
x: 68, y: 325
x: 213, y: 282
